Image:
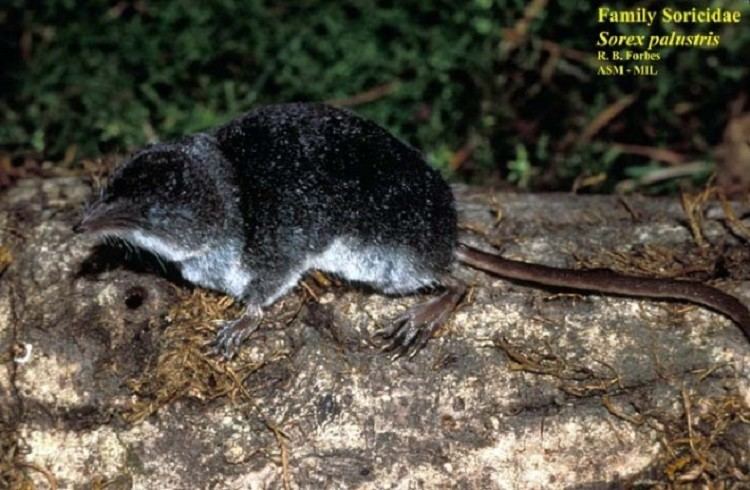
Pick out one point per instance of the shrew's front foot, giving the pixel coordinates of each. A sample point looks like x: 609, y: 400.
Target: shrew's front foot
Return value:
x: 409, y: 333
x: 232, y: 333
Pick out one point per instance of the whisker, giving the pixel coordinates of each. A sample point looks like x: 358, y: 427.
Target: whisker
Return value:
x: 161, y: 263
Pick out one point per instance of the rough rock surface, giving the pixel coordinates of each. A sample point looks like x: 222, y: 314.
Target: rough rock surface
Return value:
x: 527, y: 388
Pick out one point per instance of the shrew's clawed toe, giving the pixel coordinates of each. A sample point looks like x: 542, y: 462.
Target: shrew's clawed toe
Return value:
x: 233, y: 333
x: 410, y: 332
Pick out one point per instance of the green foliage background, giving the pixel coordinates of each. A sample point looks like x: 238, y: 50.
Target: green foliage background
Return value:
x: 110, y: 76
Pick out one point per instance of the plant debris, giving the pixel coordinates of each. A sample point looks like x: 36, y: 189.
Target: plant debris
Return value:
x: 656, y: 261
x: 577, y: 379
x: 184, y: 367
x: 698, y: 445
x: 11, y: 469
x: 694, y: 205
x: 6, y: 257
x: 705, y: 442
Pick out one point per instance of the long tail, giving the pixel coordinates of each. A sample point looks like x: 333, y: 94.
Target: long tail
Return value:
x: 607, y: 281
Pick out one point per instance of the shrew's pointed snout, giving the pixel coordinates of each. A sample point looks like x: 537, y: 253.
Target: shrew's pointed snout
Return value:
x: 83, y: 224
x: 105, y: 218
x: 93, y: 218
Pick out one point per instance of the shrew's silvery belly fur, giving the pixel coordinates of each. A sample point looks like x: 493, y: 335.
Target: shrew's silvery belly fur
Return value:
x: 386, y: 267
x: 392, y: 269
x: 220, y: 269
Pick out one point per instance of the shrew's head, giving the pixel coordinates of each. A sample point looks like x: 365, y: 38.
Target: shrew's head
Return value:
x: 161, y: 199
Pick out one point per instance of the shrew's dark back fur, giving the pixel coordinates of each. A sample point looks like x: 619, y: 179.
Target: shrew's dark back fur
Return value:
x: 312, y: 173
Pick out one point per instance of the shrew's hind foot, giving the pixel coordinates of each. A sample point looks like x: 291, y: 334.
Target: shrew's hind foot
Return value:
x: 232, y: 333
x: 409, y: 333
